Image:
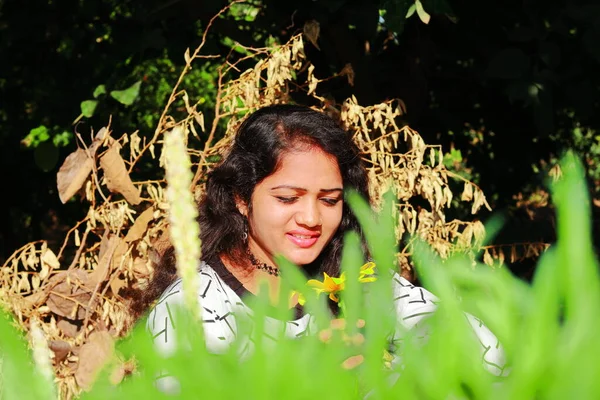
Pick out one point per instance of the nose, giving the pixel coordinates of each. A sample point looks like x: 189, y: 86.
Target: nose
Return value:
x: 309, y: 214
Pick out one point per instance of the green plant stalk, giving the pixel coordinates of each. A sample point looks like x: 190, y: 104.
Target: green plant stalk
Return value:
x: 18, y: 379
x: 183, y: 228
x: 42, y: 357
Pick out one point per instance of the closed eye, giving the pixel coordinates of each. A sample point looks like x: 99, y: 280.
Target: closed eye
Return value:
x: 286, y: 200
x: 330, y: 201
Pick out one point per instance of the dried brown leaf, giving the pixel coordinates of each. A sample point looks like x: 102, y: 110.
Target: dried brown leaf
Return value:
x: 116, y: 176
x: 35, y: 299
x: 122, y: 369
x: 77, y: 167
x: 117, y: 284
x: 68, y: 328
x: 487, y: 258
x: 35, y: 282
x: 312, y: 80
x: 467, y: 194
x: 49, y: 263
x: 73, y: 173
x: 109, y: 245
x: 478, y: 232
x: 348, y: 72
x: 140, y: 225
x: 466, y: 237
x: 49, y: 258
x: 501, y: 256
x: 61, y: 349
x: 432, y: 157
x: 513, y: 253
x: 70, y: 299
x: 94, y: 355
x: 311, y: 31
x: 23, y: 285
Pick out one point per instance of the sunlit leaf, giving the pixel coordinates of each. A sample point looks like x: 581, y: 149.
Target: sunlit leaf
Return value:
x: 88, y: 107
x: 127, y: 96
x: 423, y: 15
x: 100, y: 90
x: 36, y: 136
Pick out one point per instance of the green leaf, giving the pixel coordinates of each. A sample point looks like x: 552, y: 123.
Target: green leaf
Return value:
x: 423, y: 15
x: 88, y: 107
x: 62, y: 139
x: 229, y: 42
x: 379, y: 229
x: 352, y: 259
x: 100, y: 90
x: 575, y: 247
x: 36, y: 136
x: 411, y: 10
x: 127, y: 96
x: 40, y: 133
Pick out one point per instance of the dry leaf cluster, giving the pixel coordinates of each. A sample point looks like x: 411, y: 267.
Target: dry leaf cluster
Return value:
x: 75, y: 292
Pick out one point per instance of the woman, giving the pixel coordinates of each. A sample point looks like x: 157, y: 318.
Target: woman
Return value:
x: 279, y: 191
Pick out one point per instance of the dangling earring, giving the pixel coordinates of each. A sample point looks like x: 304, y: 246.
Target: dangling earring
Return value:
x: 245, y: 234
x: 240, y: 207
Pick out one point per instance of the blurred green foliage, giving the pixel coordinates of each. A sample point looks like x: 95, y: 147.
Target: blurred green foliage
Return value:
x: 547, y: 329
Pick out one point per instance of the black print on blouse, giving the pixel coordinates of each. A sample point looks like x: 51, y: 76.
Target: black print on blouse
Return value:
x: 422, y: 304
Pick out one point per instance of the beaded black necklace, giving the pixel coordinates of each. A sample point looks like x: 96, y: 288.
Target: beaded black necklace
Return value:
x: 262, y: 266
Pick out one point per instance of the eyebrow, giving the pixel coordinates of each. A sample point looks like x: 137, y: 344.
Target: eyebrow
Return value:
x: 305, y: 190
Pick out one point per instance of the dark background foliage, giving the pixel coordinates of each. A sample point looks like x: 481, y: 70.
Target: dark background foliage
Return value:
x: 505, y: 86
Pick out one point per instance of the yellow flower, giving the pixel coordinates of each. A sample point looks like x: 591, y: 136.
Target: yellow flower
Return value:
x: 387, y: 359
x: 332, y: 285
x: 367, y: 273
x: 297, y: 297
x: 329, y: 285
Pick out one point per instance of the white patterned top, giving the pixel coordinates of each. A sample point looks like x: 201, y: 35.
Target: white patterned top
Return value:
x: 225, y: 317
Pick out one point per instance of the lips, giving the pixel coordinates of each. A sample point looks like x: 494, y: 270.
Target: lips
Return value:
x: 303, y: 239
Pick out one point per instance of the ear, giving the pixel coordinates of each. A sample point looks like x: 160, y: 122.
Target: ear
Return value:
x: 242, y: 206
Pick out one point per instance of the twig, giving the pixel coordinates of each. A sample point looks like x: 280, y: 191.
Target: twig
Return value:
x: 79, y: 251
x: 95, y: 292
x: 292, y: 18
x: 19, y: 251
x: 212, y: 130
x: 522, y: 244
x: 174, y: 93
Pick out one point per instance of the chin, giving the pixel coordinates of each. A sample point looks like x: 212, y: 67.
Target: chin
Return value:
x: 302, y: 259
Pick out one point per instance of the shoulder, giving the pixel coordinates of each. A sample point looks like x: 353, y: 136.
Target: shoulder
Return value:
x: 412, y: 303
x: 404, y: 289
x: 210, y: 290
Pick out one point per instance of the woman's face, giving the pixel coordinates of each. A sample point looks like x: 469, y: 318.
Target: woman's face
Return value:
x: 296, y: 210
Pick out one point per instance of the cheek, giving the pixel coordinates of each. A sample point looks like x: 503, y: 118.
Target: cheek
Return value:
x: 333, y: 218
x: 269, y: 217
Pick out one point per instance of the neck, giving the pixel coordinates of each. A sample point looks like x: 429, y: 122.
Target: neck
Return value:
x: 252, y: 278
x: 261, y: 266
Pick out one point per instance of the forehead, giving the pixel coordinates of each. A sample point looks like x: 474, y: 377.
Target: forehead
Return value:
x: 309, y: 168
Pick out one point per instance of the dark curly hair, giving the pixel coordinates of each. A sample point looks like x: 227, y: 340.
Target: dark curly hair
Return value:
x: 259, y: 143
